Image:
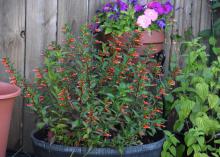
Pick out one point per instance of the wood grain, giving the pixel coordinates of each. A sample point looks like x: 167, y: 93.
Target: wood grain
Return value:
x: 72, y: 12
x: 41, y: 29
x: 205, y: 16
x: 12, y: 23
x: 196, y: 16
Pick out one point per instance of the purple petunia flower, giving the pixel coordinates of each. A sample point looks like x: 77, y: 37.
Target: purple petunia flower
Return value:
x: 107, y: 8
x: 161, y: 23
x: 168, y: 7
x: 133, y: 2
x: 161, y: 8
x: 122, y: 5
x: 115, y: 16
x: 138, y: 8
x: 157, y: 6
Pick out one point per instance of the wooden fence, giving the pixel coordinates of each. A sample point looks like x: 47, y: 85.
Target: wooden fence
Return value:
x: 27, y: 26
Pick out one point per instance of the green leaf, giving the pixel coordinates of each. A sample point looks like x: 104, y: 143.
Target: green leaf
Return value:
x: 173, y: 150
x: 108, y: 31
x: 201, y: 141
x: 40, y: 125
x: 169, y: 98
x: 111, y: 96
x: 178, y: 125
x: 216, y: 50
x: 166, y: 154
x: 166, y: 145
x: 189, y: 151
x: 180, y: 150
x: 184, y: 107
x: 206, y: 124
x: 75, y: 124
x: 127, y: 119
x: 217, y: 141
x: 213, y: 100
x: 215, y: 155
x: 212, y: 41
x: 202, y: 89
x: 200, y: 155
x: 189, y: 140
x: 61, y: 126
x: 126, y: 99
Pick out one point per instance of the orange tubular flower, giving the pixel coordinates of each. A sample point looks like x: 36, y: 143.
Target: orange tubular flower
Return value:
x: 159, y: 125
x: 118, y: 49
x: 107, y: 135
x: 146, y: 126
x: 146, y: 117
x: 4, y: 60
x: 171, y: 82
x: 71, y: 40
x: 146, y: 103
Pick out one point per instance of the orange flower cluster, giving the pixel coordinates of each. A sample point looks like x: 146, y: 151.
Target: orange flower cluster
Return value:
x: 9, y: 70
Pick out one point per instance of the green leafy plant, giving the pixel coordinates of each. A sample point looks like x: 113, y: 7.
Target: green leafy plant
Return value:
x: 172, y: 147
x: 213, y: 43
x: 92, y: 97
x: 196, y: 101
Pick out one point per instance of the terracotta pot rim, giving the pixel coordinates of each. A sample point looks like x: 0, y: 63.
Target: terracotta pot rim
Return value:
x: 11, y: 91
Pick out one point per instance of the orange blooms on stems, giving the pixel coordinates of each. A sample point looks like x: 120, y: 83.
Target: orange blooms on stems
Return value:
x: 71, y: 40
x: 38, y: 74
x: 171, y: 82
x: 10, y: 71
x: 146, y: 103
x: 107, y: 135
x: 159, y: 125
x: 146, y: 126
x: 98, y: 90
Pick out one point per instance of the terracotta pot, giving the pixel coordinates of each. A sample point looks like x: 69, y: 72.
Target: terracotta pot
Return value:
x: 8, y: 94
x: 152, y: 41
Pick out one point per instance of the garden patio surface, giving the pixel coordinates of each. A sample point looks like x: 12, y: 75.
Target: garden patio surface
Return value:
x: 13, y: 154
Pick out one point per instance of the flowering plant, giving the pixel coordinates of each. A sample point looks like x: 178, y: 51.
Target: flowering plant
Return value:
x: 95, y: 98
x: 119, y: 16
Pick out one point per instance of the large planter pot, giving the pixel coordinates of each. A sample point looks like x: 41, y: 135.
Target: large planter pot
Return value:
x: 44, y: 149
x: 152, y: 41
x: 8, y: 94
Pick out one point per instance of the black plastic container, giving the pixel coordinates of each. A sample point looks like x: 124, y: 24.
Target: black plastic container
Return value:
x: 44, y: 149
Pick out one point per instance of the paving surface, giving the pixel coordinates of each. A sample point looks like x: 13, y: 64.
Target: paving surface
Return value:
x: 11, y: 154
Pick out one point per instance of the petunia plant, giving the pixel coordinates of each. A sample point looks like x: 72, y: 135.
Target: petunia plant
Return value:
x: 121, y: 16
x: 154, y: 16
x: 92, y: 97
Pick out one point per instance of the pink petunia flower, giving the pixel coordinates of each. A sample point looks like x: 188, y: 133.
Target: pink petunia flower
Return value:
x: 151, y: 14
x: 143, y: 21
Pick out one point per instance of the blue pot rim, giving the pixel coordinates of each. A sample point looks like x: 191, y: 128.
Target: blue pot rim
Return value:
x: 110, y: 151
